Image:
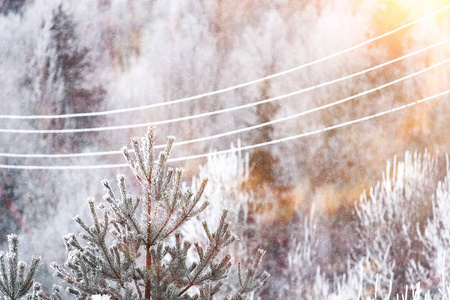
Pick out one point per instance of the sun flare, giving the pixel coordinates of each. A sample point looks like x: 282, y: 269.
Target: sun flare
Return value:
x: 418, y: 7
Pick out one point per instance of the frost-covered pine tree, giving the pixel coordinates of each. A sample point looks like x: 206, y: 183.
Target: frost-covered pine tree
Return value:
x: 14, y: 283
x: 136, y: 251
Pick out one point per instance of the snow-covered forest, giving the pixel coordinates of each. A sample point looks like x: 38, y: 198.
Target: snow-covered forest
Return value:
x: 321, y: 125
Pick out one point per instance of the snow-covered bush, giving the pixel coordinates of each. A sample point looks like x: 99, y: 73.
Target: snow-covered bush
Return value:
x: 403, y: 239
x: 436, y: 238
x: 303, y: 275
x: 389, y: 220
x: 226, y: 174
x: 300, y: 276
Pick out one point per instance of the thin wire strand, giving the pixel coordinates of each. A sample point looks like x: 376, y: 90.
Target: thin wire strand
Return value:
x: 244, y: 148
x: 225, y: 110
x: 202, y: 139
x: 234, y: 87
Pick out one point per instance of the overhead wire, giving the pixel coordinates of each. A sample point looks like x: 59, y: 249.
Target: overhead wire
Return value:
x: 225, y: 110
x: 242, y: 148
x: 249, y: 128
x: 234, y: 87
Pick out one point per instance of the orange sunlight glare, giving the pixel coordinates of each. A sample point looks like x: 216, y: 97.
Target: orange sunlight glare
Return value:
x: 420, y: 7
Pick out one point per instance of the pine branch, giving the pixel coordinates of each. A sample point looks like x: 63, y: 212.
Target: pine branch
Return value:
x: 190, y: 211
x: 13, y: 282
x: 251, y: 282
x: 217, y: 241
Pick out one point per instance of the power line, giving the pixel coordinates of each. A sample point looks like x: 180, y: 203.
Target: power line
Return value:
x: 249, y: 147
x: 316, y: 109
x: 225, y: 110
x: 186, y: 99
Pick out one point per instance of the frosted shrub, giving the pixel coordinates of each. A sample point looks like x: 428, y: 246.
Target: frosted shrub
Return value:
x: 390, y: 218
x: 305, y: 278
x: 136, y: 250
x: 300, y: 275
x: 226, y: 174
x: 436, y: 238
x: 404, y: 237
x: 303, y: 275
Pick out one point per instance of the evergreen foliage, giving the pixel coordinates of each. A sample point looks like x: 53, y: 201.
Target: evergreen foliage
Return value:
x: 63, y: 83
x: 57, y: 79
x: 9, y: 214
x: 14, y: 283
x: 135, y: 250
x: 11, y: 6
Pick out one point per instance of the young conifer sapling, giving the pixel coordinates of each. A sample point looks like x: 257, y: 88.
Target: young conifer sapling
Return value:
x: 134, y: 251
